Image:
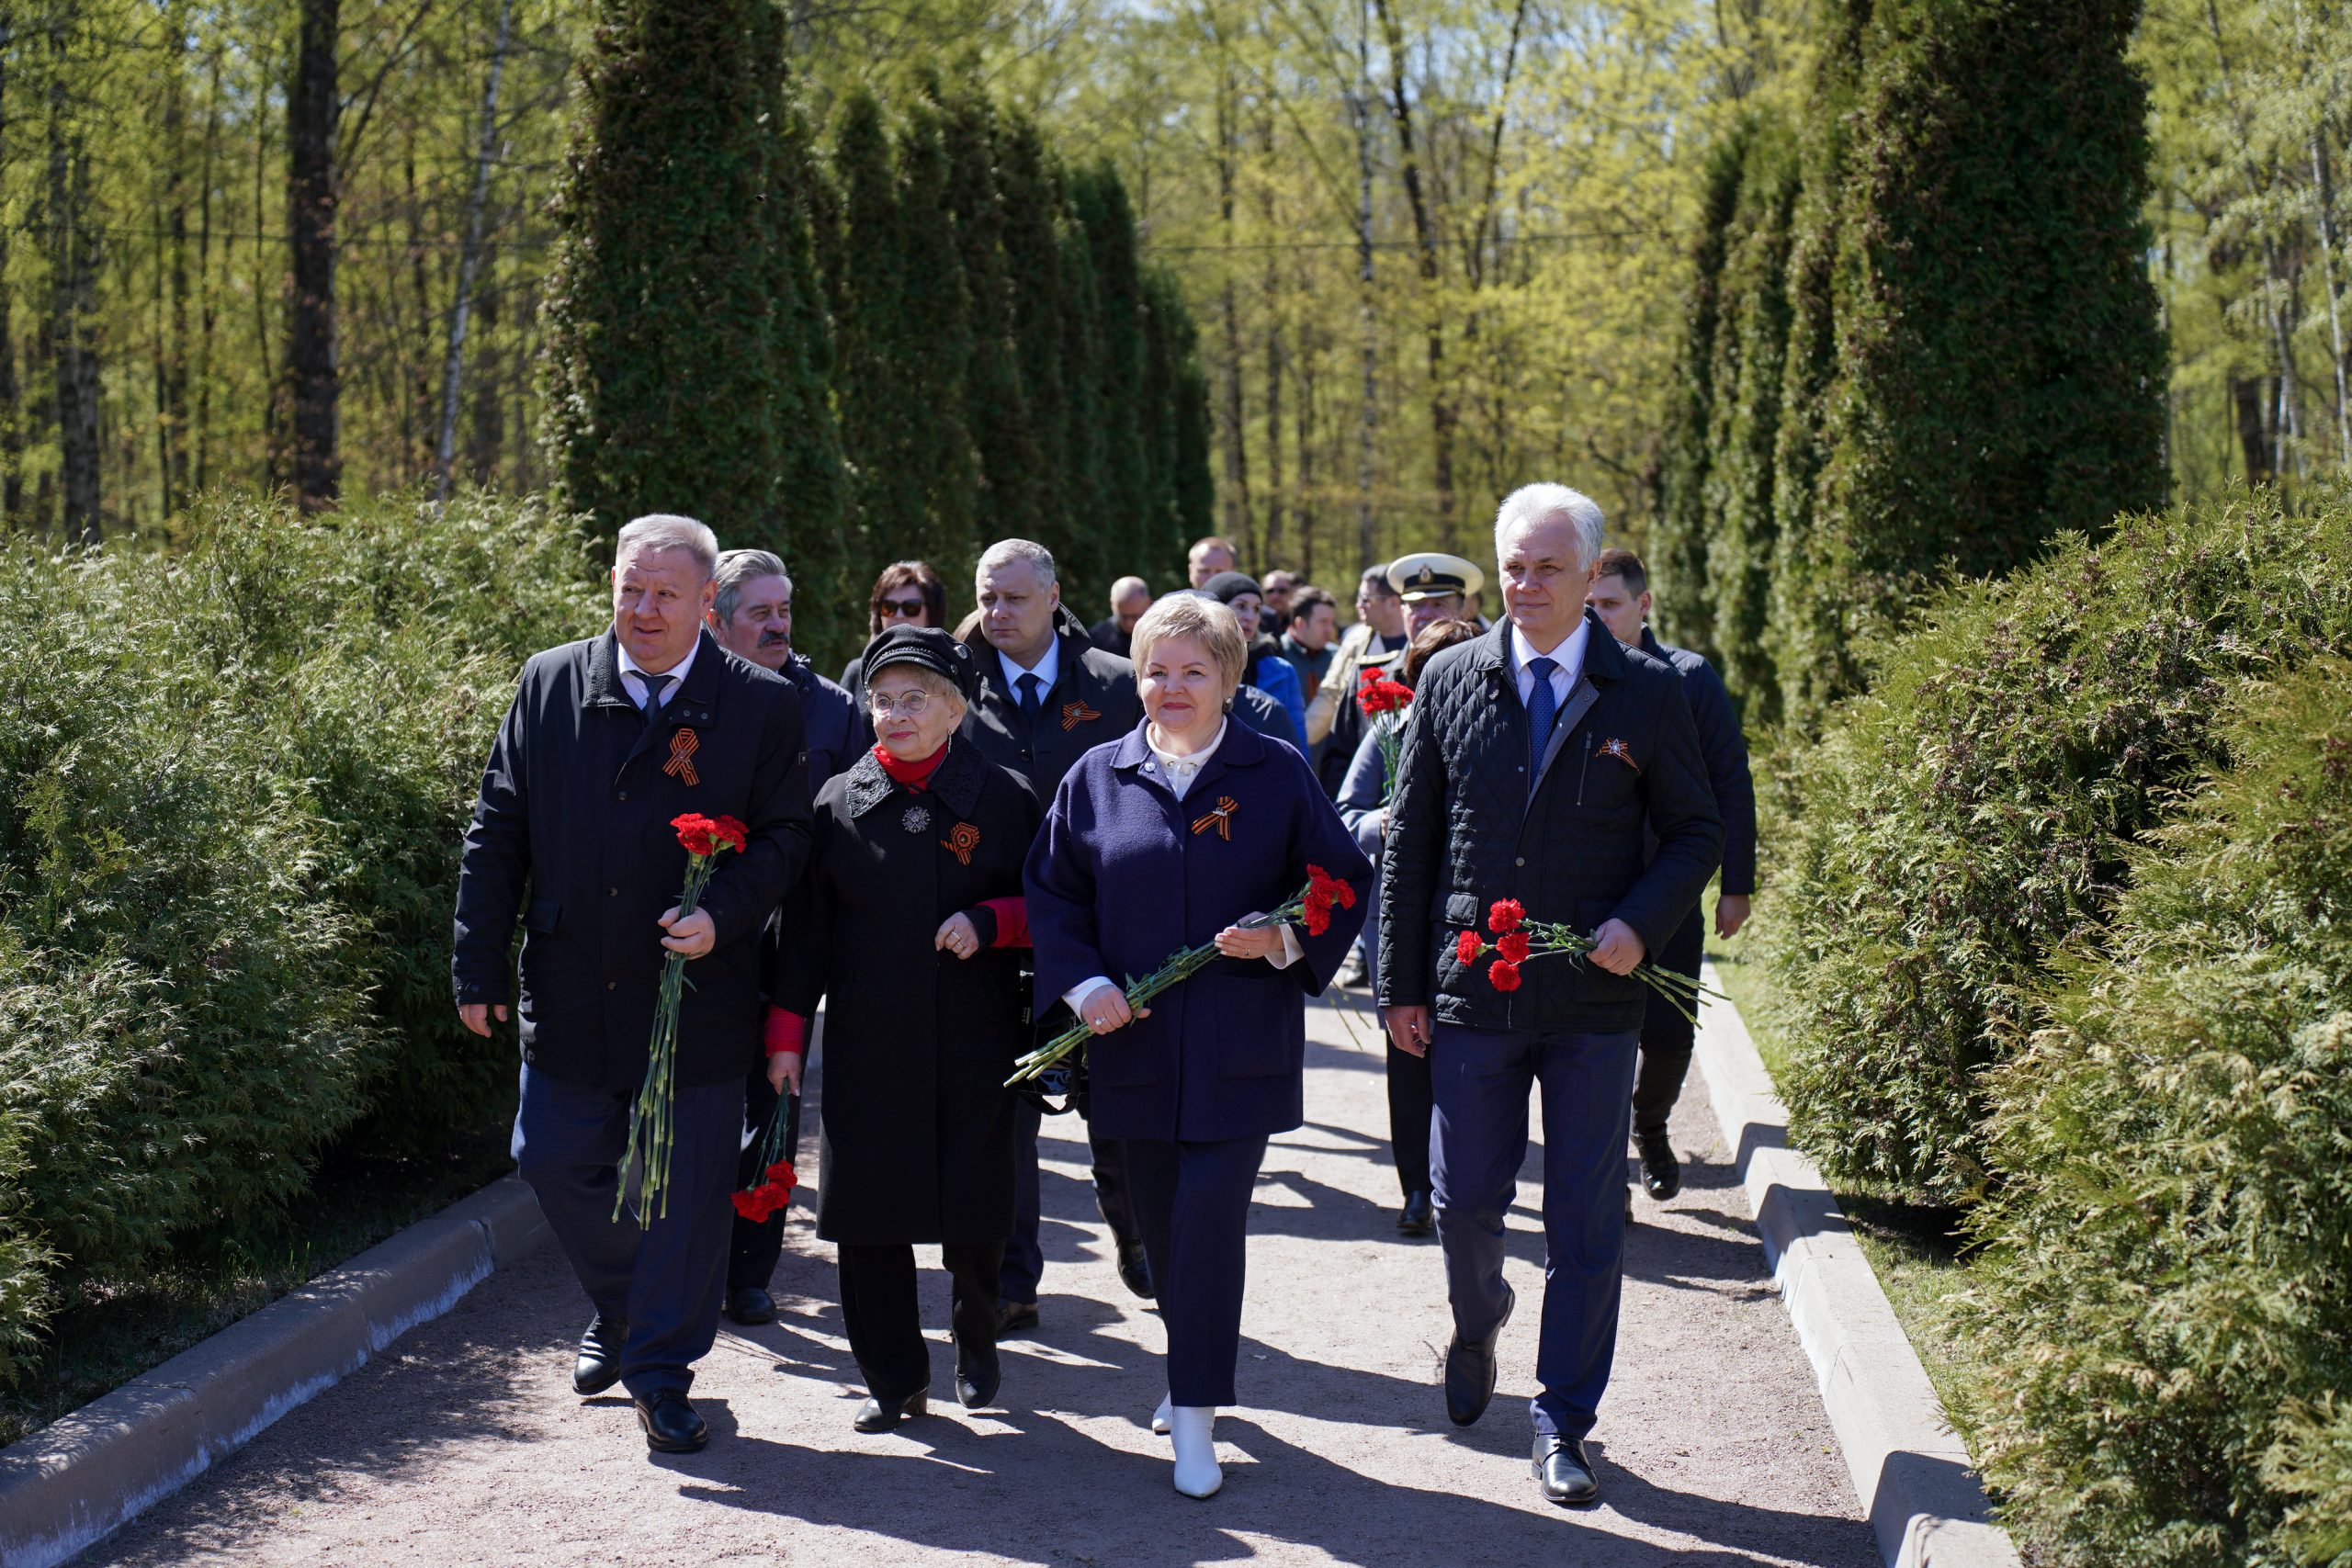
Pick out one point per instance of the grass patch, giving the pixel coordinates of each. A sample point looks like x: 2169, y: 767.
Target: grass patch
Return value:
x: 110, y: 1329
x: 1915, y: 1249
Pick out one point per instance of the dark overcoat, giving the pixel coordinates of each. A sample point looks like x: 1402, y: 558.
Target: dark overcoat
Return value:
x: 917, y: 1144
x: 575, y: 808
x: 1725, y: 747
x: 1093, y: 700
x: 1616, y: 821
x: 1125, y: 875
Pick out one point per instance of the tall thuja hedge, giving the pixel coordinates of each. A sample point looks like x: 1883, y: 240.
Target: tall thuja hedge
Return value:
x: 1678, y: 561
x: 226, y: 864
x: 679, y: 374
x: 2169, y: 1249
x: 1030, y: 196
x: 1127, y: 494
x: 1998, y: 344
x: 1968, y: 819
x: 1751, y: 349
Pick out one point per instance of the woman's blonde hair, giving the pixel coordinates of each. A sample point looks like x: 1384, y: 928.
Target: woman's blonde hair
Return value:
x: 1196, y: 616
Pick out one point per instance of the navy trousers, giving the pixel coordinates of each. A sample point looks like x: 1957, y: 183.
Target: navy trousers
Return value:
x: 1479, y: 1079
x: 1667, y: 1035
x: 1191, y: 1203
x: 1024, y: 1254
x: 754, y: 1245
x: 664, y: 1281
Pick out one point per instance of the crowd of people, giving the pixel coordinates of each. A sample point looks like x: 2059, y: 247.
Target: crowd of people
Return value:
x: 942, y: 851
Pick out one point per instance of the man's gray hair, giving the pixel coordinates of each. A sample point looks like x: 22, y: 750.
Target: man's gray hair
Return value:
x: 665, y: 531
x: 1125, y: 586
x: 1540, y: 503
x: 1004, y: 552
x: 737, y: 567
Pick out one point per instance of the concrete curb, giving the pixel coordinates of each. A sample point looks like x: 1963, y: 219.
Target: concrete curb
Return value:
x: 71, y: 1483
x: 1912, y: 1471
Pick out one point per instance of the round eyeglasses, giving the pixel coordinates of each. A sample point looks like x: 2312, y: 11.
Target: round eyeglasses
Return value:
x: 911, y: 704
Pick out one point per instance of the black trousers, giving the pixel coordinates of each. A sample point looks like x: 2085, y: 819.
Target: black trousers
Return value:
x: 1410, y: 1104
x: 755, y: 1245
x: 1667, y: 1035
x: 882, y: 1309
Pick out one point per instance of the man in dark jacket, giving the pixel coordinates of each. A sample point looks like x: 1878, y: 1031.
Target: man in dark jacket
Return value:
x: 752, y: 617
x: 1047, y: 695
x: 1534, y: 760
x: 1619, y: 595
x: 608, y: 740
x: 1130, y: 597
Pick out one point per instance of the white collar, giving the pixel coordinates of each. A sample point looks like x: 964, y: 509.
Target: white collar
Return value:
x: 1188, y: 760
x: 1048, y: 667
x: 677, y: 673
x: 1568, y: 654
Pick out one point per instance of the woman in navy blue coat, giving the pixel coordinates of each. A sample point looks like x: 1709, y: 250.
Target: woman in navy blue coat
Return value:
x: 1165, y: 839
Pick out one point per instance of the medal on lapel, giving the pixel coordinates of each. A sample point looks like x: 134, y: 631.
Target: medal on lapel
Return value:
x: 1620, y: 752
x: 961, y: 841
x: 1076, y: 713
x: 681, y: 764
x: 916, y: 820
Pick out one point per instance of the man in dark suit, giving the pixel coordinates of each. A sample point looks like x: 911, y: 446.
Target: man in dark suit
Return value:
x: 1619, y: 595
x: 1536, y: 759
x: 1045, y: 696
x: 1130, y: 597
x: 607, y: 741
x: 752, y: 617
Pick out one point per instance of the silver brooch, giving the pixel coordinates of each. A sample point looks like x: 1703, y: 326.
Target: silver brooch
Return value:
x: 916, y: 820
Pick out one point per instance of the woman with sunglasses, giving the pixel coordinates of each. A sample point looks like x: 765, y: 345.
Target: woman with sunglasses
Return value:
x: 908, y: 593
x: 909, y: 924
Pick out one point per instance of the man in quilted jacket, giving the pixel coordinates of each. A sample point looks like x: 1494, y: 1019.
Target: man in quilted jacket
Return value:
x: 1534, y: 757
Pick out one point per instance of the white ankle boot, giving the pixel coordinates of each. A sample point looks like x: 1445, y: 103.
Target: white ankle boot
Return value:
x: 1160, y: 1418
x: 1192, y: 1426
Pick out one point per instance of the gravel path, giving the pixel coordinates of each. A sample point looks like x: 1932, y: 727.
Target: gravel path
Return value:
x: 464, y: 1442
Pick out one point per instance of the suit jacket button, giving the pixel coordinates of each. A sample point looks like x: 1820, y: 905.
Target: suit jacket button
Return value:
x: 1521, y: 861
x: 612, y: 892
x: 621, y: 795
x: 611, y: 984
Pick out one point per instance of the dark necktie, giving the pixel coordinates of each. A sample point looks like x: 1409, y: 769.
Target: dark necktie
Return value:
x: 654, y: 686
x: 1030, y: 701
x: 1543, y: 708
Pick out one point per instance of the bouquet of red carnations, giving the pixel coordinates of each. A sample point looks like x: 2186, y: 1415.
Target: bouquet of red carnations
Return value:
x: 778, y: 1176
x: 1519, y: 938
x: 1311, y: 906
x: 1384, y: 702
x: 650, y: 1120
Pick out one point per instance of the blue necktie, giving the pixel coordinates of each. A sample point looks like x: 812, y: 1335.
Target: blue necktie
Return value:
x: 1543, y: 708
x: 654, y: 685
x: 1029, y: 701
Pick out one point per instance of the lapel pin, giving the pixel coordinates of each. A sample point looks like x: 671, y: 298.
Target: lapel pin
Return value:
x: 681, y: 764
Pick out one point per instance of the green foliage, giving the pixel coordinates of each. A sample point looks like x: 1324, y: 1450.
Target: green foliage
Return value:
x: 1964, y: 821
x: 2170, y: 1243
x: 226, y: 865
x: 1126, y: 495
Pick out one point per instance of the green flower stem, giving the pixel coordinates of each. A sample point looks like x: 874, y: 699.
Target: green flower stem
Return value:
x: 652, y: 1119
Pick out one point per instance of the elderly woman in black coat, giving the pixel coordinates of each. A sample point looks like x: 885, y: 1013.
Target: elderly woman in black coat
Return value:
x: 908, y: 925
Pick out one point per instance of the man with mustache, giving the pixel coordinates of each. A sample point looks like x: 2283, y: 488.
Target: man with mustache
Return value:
x: 750, y: 614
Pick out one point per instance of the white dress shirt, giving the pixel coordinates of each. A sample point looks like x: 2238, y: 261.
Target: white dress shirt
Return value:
x: 633, y: 676
x: 1567, y: 655
x: 1047, y: 669
x: 1177, y: 770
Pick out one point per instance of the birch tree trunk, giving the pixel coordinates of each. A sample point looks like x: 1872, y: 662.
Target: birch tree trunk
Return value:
x: 453, y: 362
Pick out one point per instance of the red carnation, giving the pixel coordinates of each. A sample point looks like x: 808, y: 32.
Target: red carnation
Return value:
x: 1379, y: 694
x: 695, y: 831
x: 782, y: 1174
x: 1506, y: 915
x: 751, y: 1205
x: 1324, y: 888
x: 1467, y: 948
x: 1504, y: 974
x: 728, y: 830
x: 1513, y: 947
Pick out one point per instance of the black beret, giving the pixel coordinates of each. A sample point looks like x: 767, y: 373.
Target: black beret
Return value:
x: 927, y: 647
x: 1228, y: 586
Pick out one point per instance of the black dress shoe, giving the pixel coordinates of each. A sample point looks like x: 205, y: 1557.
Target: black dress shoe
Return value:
x: 1135, y: 1269
x: 1012, y: 1317
x: 1415, y: 1218
x: 1661, y: 1172
x: 599, y: 1366
x: 669, y: 1422
x: 881, y: 1414
x: 978, y: 1374
x: 1563, y: 1473
x: 751, y: 1305
x: 1470, y: 1370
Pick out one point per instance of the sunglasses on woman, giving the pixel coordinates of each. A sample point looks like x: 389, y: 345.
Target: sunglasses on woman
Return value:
x: 903, y: 609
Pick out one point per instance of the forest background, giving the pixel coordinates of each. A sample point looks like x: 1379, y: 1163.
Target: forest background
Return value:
x: 1433, y: 249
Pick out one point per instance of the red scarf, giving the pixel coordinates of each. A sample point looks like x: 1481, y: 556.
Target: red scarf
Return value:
x: 913, y: 776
